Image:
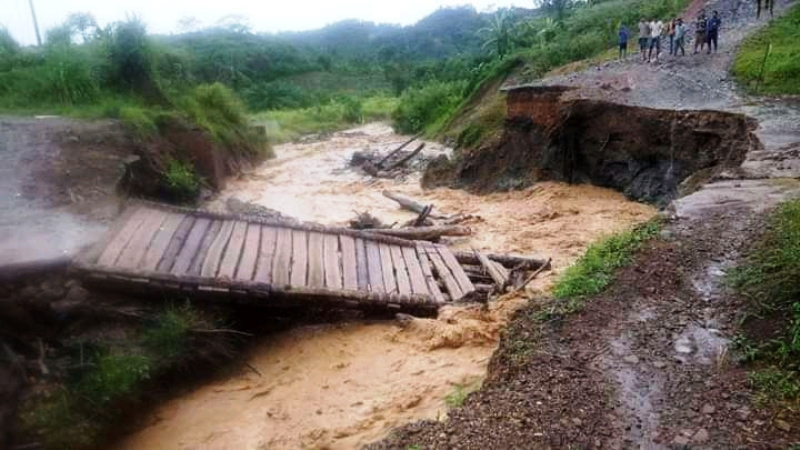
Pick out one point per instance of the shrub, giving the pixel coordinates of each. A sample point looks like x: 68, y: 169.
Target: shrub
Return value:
x: 421, y: 107
x: 182, y: 181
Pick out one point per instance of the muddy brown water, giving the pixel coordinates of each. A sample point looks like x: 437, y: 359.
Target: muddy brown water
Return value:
x: 345, y: 385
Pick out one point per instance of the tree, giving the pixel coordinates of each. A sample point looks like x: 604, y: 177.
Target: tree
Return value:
x: 498, y: 35
x: 557, y: 9
x: 548, y: 31
x: 83, y: 25
x: 189, y: 24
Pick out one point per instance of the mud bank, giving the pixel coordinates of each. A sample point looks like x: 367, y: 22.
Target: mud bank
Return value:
x: 644, y: 153
x: 343, y: 386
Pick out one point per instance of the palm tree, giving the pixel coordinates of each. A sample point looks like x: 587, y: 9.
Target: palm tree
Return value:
x: 548, y: 31
x: 498, y: 35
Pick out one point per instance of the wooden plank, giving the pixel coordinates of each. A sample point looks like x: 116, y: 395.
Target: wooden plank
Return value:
x: 333, y: 263
x: 491, y: 268
x: 389, y: 280
x: 266, y: 254
x: 400, y: 270
x: 455, y: 268
x: 140, y: 241
x: 116, y: 244
x: 281, y: 267
x: 316, y: 261
x: 199, y: 259
x: 160, y: 242
x: 252, y: 245
x: 349, y: 262
x: 374, y: 267
x: 425, y: 266
x: 92, y: 254
x: 190, y: 247
x: 419, y: 284
x: 217, y: 248
x: 299, y: 258
x: 233, y: 251
x: 175, y: 244
x: 362, y: 266
x: 441, y: 268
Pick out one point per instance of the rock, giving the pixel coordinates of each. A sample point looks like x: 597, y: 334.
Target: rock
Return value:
x: 701, y: 436
x: 576, y: 421
x: 659, y: 364
x: 783, y: 425
x: 743, y: 413
x: 687, y: 433
x: 684, y: 345
x: 680, y: 440
x: 632, y: 359
x: 708, y: 409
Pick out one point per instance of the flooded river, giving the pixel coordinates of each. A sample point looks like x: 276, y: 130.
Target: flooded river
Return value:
x: 342, y: 386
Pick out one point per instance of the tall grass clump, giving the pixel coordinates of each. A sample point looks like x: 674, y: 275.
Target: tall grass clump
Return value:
x: 770, y: 280
x: 768, y: 62
x: 422, y: 107
x: 595, y: 270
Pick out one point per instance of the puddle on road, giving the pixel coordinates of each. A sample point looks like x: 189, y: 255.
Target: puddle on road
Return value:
x: 343, y: 386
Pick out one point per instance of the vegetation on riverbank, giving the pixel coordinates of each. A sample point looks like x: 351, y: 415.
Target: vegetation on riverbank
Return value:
x: 768, y: 61
x: 769, y: 279
x: 119, y: 375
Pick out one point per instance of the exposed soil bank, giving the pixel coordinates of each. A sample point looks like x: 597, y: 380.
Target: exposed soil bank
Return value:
x: 343, y: 386
x: 644, y: 153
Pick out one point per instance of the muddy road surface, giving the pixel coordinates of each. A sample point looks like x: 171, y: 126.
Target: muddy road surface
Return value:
x: 346, y: 385
x: 57, y: 180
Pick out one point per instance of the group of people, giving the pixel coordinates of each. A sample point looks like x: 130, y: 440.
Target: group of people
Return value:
x: 706, y: 33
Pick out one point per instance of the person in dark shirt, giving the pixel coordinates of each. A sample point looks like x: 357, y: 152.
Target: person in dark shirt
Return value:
x: 623, y: 41
x: 712, y: 31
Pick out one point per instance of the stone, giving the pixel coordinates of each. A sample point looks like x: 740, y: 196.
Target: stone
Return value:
x: 743, y: 413
x: 680, y: 440
x: 577, y: 421
x: 701, y: 436
x: 708, y: 409
x: 683, y: 345
x: 632, y: 359
x: 659, y: 364
x: 783, y: 425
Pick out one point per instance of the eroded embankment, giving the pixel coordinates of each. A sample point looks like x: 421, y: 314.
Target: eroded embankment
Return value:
x: 343, y: 386
x: 644, y: 153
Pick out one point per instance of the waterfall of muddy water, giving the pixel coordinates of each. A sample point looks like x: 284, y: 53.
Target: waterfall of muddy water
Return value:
x: 342, y: 386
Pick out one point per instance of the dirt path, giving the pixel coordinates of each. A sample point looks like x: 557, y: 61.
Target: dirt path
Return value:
x: 57, y: 177
x: 343, y: 386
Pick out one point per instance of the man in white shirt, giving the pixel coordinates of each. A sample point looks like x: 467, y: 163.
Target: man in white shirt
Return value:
x: 656, y: 28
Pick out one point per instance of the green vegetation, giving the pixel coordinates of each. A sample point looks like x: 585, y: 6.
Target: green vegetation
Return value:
x: 459, y: 394
x: 596, y: 268
x: 770, y: 280
x: 116, y: 377
x: 769, y: 61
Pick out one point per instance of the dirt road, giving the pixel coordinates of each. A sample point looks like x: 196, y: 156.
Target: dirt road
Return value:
x: 57, y: 177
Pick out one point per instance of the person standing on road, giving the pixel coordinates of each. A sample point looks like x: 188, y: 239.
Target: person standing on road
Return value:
x: 644, y: 37
x: 671, y: 33
x: 700, y: 31
x: 623, y: 41
x: 656, y: 28
x: 680, y: 35
x: 712, y: 30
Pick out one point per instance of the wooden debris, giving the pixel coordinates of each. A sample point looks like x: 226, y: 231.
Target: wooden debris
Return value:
x: 495, y: 270
x: 423, y: 233
x: 533, y: 275
x: 364, y: 221
x: 508, y: 261
x: 420, y: 220
x: 407, y: 158
x: 411, y: 205
x: 395, y: 151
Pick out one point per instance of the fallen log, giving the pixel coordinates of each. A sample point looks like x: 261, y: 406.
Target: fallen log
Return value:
x: 508, y: 261
x: 407, y: 158
x: 423, y: 233
x: 426, y: 211
x: 533, y: 275
x: 394, y: 152
x: 411, y: 205
x: 495, y: 270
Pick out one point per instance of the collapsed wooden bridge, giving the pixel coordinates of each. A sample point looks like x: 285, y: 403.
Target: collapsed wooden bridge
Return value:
x: 242, y: 258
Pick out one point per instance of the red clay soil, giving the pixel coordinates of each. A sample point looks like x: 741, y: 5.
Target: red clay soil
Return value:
x: 645, y: 365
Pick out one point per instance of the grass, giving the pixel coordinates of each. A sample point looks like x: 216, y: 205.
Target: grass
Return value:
x: 118, y: 374
x: 781, y: 69
x: 289, y: 125
x: 595, y: 270
x: 770, y: 281
x: 460, y: 393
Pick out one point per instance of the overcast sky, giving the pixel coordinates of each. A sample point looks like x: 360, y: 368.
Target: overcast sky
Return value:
x: 162, y: 16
